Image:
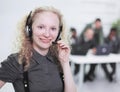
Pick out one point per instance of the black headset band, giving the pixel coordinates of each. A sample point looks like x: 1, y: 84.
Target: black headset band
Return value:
x: 28, y: 20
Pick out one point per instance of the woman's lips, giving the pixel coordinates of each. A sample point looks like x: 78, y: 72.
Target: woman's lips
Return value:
x: 45, y: 40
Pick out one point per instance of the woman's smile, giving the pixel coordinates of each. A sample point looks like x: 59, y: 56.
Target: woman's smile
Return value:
x: 44, y: 40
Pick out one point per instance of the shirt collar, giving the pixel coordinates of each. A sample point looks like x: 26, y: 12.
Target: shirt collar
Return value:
x: 40, y: 58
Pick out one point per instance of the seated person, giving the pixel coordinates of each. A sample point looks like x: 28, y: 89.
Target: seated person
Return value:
x: 86, y: 42
x: 113, y: 41
x: 74, y: 41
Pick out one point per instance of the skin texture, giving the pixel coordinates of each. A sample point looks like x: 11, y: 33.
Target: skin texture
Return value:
x: 45, y: 30
x: 1, y: 83
x: 89, y: 34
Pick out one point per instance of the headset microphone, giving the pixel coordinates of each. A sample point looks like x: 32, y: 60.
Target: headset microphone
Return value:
x: 58, y: 37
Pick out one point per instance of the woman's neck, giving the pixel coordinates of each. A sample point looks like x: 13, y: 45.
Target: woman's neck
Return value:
x: 42, y: 51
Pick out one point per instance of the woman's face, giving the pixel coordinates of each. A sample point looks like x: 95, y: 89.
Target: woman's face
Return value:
x: 45, y: 29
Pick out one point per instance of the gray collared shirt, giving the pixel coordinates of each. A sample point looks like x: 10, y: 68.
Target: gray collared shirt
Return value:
x: 43, y: 73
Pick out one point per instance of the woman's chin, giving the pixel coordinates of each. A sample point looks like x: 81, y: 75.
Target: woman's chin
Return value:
x: 45, y: 46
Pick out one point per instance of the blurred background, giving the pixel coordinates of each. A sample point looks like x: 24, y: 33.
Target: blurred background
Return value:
x: 79, y: 15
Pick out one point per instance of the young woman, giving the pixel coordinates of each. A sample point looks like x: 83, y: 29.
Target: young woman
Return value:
x: 42, y: 58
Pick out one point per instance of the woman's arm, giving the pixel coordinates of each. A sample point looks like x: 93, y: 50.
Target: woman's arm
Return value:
x: 68, y: 79
x: 1, y: 84
x: 64, y: 52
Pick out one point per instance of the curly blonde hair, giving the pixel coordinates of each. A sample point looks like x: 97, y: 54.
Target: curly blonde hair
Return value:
x: 25, y: 43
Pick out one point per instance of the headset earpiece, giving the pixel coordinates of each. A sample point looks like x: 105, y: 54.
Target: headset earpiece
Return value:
x: 28, y: 31
x: 28, y: 26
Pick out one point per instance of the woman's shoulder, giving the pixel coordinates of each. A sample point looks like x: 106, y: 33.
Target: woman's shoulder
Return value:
x: 10, y: 69
x: 12, y: 59
x: 14, y: 56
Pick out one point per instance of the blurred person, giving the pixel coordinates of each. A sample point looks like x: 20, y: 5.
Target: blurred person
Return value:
x: 98, y: 39
x: 86, y: 43
x: 114, y: 42
x: 75, y: 46
x: 74, y: 41
x: 42, y: 60
x: 98, y: 29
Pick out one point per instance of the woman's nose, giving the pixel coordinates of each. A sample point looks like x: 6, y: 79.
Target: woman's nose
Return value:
x: 47, y: 33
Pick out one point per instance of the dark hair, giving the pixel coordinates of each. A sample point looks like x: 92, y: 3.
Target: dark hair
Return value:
x: 98, y: 20
x: 72, y: 29
x: 113, y: 29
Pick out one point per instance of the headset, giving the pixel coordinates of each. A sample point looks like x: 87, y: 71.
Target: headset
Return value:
x: 28, y: 29
x: 28, y: 26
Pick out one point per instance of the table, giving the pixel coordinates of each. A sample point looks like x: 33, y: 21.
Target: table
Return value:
x: 88, y: 59
x: 95, y: 58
